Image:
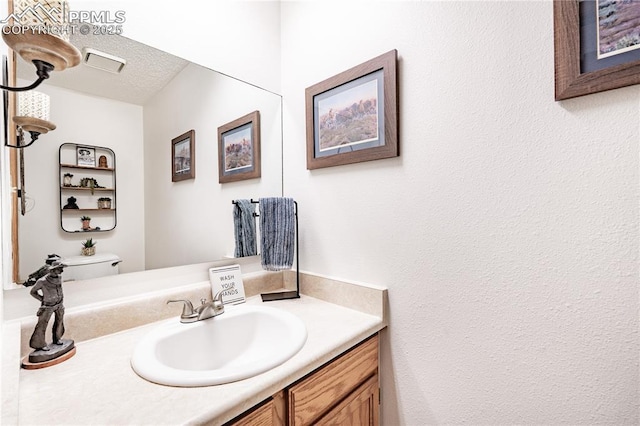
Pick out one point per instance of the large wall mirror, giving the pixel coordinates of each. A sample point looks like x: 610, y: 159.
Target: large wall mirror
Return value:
x: 137, y: 113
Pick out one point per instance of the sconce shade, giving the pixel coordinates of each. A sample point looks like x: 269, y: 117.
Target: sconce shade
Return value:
x: 33, y: 112
x: 47, y: 13
x: 33, y: 104
x: 39, y: 30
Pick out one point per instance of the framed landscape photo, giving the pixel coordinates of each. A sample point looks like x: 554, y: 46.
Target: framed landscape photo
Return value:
x: 183, y: 154
x: 353, y: 116
x: 597, y: 46
x: 239, y: 149
x: 85, y: 156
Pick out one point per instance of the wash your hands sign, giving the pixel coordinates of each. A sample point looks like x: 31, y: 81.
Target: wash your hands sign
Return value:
x: 227, y: 279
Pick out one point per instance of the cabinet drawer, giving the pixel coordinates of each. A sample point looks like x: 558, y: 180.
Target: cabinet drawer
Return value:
x: 312, y: 397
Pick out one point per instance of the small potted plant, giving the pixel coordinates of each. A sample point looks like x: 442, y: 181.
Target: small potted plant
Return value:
x: 86, y: 223
x: 90, y: 183
x: 89, y: 247
x: 104, y: 203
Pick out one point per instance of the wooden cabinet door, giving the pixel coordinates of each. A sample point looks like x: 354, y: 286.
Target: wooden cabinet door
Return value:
x: 312, y: 397
x: 360, y: 408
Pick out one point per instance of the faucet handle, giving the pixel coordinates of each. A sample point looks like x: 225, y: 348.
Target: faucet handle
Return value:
x: 218, y: 297
x: 187, y: 308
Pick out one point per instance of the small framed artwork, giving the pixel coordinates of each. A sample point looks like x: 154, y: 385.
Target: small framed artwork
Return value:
x: 239, y: 149
x: 597, y: 46
x: 183, y: 154
x: 85, y: 156
x: 353, y: 116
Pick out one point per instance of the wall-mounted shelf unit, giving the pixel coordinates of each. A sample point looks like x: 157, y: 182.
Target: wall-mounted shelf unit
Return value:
x: 87, y: 188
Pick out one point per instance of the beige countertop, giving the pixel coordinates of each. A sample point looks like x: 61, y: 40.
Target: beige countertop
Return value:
x: 98, y: 386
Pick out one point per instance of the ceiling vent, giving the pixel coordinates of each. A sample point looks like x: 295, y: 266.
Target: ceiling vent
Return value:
x: 102, y: 61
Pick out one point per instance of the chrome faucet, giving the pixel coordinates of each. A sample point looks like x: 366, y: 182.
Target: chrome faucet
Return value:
x: 204, y: 311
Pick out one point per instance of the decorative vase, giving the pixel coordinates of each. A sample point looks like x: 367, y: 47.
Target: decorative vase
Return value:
x: 104, y: 204
x: 88, y: 251
x: 86, y: 225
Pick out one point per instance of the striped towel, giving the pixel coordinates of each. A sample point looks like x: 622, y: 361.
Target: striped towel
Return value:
x: 277, y: 229
x: 244, y: 228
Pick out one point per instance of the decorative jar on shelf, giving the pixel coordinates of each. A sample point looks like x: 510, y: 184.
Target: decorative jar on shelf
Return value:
x: 104, y: 203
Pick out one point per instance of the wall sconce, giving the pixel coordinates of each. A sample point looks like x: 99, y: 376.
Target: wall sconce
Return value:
x: 39, y: 33
x: 33, y: 117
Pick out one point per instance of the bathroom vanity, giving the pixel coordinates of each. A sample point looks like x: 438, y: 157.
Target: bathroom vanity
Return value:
x: 334, y: 376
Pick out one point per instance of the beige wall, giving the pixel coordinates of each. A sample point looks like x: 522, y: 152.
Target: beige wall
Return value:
x: 507, y: 230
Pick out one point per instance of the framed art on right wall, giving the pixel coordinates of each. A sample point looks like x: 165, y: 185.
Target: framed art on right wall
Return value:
x: 353, y: 116
x: 597, y: 46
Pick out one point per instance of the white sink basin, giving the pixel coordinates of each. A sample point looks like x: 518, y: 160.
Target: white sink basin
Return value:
x: 244, y: 341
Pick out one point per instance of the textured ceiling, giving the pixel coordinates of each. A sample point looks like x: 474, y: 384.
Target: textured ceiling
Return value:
x: 147, y: 71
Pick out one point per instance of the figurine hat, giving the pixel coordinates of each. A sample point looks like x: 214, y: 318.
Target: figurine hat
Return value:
x: 57, y: 265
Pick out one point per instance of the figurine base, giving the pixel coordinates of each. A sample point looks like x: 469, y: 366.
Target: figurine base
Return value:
x: 46, y: 358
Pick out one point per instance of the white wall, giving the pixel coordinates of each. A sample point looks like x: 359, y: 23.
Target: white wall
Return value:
x: 119, y: 127
x: 507, y: 230
x: 173, y: 210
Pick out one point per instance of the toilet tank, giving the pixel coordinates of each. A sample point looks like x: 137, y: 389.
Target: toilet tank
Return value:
x: 87, y: 267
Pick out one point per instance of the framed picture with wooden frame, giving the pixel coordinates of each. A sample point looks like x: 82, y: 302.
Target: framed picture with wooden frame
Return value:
x: 353, y: 116
x: 597, y: 46
x: 239, y: 149
x: 183, y: 155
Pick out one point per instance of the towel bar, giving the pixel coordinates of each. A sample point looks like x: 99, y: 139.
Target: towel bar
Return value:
x: 282, y: 295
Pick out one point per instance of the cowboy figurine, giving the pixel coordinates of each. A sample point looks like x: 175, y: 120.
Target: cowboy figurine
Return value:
x: 48, y: 290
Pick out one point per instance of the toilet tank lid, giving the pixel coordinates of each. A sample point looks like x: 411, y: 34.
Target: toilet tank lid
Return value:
x: 89, y: 260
